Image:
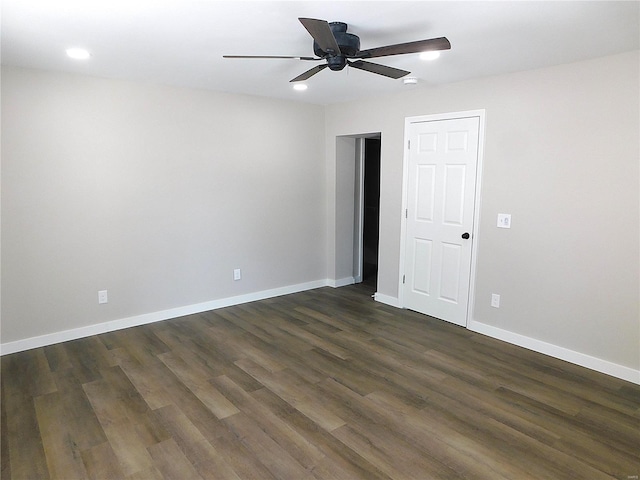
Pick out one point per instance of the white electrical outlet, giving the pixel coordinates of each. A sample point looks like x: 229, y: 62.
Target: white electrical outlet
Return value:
x: 237, y: 274
x: 103, y: 297
x: 504, y: 220
x: 495, y: 300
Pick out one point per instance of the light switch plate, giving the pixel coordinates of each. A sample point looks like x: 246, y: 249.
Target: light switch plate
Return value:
x: 504, y: 220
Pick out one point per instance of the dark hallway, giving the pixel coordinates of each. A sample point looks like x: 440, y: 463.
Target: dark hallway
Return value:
x: 371, y: 211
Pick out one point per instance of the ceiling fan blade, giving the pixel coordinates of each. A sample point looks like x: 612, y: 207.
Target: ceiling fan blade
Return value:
x: 270, y: 56
x: 309, y: 73
x: 379, y: 69
x: 440, y: 43
x: 322, y: 34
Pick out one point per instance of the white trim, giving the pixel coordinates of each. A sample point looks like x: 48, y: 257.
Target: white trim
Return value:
x: 112, y: 325
x: 387, y: 299
x: 475, y: 239
x: 358, y: 228
x: 587, y: 361
x: 341, y: 282
x: 481, y: 114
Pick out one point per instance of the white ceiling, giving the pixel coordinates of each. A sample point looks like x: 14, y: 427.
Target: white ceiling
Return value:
x: 181, y: 42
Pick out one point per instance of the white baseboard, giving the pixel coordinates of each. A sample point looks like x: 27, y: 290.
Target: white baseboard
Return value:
x: 341, y: 282
x: 571, y: 356
x: 577, y: 358
x: 387, y: 300
x: 599, y: 365
x: 112, y: 325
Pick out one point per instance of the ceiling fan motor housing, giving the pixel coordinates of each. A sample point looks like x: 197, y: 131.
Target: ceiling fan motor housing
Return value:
x: 349, y: 46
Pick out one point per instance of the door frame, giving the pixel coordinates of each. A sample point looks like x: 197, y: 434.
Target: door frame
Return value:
x: 481, y: 114
x: 358, y: 228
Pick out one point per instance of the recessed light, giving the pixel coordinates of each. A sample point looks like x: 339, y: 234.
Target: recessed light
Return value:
x: 431, y: 55
x: 78, y: 53
x: 300, y: 87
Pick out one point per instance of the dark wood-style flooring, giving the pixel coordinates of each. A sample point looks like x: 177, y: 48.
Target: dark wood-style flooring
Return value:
x: 324, y: 384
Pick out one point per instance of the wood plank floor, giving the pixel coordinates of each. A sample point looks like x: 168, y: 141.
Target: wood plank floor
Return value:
x: 324, y: 384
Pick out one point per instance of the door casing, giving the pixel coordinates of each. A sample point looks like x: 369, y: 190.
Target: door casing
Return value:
x: 477, y: 200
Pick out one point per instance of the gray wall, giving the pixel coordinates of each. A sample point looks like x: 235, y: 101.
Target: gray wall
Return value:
x: 157, y: 193
x: 153, y: 193
x: 562, y: 156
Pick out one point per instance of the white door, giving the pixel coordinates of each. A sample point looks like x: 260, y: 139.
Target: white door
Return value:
x: 440, y: 186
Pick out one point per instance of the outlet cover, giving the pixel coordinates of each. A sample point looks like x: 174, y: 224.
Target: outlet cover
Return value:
x: 103, y: 297
x: 237, y: 274
x: 504, y: 220
x: 495, y: 300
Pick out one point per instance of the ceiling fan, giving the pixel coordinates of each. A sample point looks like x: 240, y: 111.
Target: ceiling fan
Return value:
x: 332, y: 43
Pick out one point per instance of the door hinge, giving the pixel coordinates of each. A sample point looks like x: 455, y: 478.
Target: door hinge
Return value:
x: 406, y: 213
x: 403, y: 278
x: 409, y: 144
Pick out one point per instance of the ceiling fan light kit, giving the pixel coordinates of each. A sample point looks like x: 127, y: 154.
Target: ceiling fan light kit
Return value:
x: 332, y: 43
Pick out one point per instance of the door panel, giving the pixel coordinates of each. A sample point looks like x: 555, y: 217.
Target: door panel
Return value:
x: 454, y: 184
x: 422, y: 277
x: 442, y: 165
x: 449, y: 280
x: 426, y: 175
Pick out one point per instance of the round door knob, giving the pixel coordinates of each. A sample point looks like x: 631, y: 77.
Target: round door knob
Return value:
x: 465, y: 235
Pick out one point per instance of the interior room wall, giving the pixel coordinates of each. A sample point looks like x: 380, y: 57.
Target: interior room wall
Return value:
x: 562, y: 157
x: 155, y: 194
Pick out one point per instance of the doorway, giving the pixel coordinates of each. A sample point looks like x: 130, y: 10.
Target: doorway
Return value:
x: 358, y: 172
